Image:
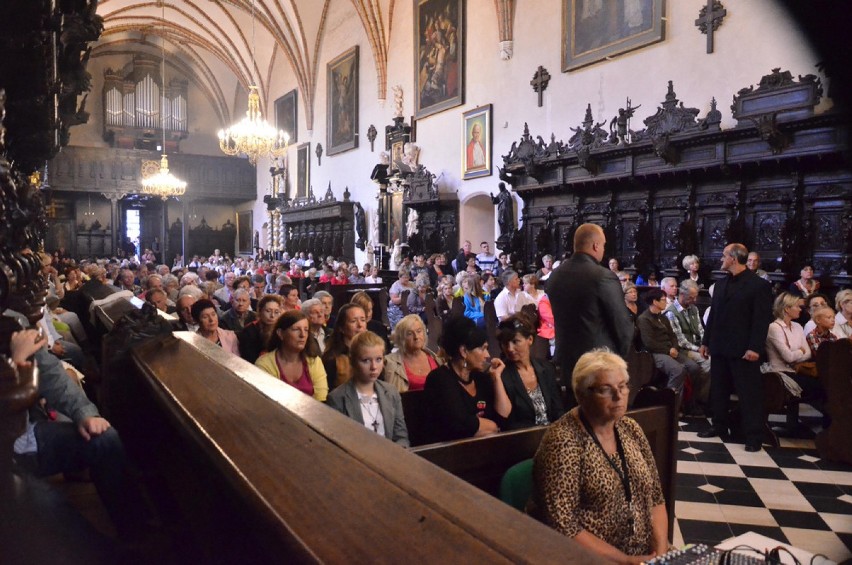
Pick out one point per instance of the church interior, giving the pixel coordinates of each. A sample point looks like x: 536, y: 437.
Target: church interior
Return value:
x: 399, y: 129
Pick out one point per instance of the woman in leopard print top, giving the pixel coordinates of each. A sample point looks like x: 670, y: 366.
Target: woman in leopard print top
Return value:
x: 595, y: 477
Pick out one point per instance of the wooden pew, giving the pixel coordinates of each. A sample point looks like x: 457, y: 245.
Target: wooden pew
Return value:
x: 483, y: 461
x: 434, y: 325
x: 248, y: 468
x: 834, y: 363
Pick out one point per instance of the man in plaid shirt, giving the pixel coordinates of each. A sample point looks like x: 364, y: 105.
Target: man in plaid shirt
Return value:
x: 686, y: 324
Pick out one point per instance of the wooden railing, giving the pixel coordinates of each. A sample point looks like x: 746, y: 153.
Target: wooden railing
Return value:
x: 247, y: 468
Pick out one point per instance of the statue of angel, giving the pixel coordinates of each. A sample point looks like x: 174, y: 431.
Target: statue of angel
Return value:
x: 411, y: 224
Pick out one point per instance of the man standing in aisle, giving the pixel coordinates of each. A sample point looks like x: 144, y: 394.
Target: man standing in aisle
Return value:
x: 739, y: 320
x: 588, y: 302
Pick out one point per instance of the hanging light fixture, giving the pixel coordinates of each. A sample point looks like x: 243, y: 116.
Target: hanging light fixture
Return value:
x: 163, y: 184
x: 253, y: 136
x: 89, y: 213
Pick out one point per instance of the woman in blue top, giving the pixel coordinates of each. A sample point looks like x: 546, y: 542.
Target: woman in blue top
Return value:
x: 473, y: 300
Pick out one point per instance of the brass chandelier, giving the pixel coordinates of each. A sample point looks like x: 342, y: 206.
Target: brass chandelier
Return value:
x: 253, y: 136
x: 163, y: 184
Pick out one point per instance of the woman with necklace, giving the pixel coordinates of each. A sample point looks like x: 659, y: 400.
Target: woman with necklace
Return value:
x: 372, y: 403
x: 407, y: 367
x: 806, y: 285
x: 293, y: 358
x: 594, y: 476
x: 466, y: 395
x: 204, y: 314
x: 530, y: 383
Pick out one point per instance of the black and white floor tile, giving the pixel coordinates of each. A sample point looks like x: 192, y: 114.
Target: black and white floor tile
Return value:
x: 786, y: 493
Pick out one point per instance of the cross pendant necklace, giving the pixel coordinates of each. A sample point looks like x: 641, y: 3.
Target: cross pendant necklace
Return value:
x: 375, y: 425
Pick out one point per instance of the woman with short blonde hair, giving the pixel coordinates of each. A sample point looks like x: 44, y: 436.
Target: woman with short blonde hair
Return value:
x: 406, y: 367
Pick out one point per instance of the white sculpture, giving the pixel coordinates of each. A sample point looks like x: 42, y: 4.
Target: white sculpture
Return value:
x: 374, y: 228
x: 397, y: 101
x: 396, y: 256
x: 411, y: 155
x: 411, y: 225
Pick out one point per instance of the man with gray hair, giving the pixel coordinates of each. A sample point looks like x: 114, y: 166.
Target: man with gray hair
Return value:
x: 315, y: 311
x: 669, y: 286
x: 511, y: 299
x: 685, y: 321
x: 240, y: 314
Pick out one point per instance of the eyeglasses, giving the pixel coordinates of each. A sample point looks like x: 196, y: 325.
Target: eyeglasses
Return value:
x: 608, y: 391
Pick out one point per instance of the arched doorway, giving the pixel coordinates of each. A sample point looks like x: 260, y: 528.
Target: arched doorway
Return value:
x: 477, y: 221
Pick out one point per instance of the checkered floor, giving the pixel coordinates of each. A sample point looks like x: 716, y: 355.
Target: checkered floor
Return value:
x: 787, y: 493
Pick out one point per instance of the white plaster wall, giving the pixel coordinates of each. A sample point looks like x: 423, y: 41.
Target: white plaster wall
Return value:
x: 755, y: 37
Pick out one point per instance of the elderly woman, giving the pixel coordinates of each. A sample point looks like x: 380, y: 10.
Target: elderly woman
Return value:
x: 395, y: 294
x: 351, y: 320
x: 843, y: 320
x: 466, y: 395
x: 530, y: 384
x: 691, y: 263
x: 291, y: 358
x: 370, y: 402
x: 291, y: 297
x: 444, y: 303
x: 546, y: 268
x: 806, y: 285
x: 256, y: 335
x: 204, y: 314
x: 787, y: 346
x: 407, y: 367
x: 417, y: 298
x: 315, y: 311
x: 595, y: 479
x: 631, y: 300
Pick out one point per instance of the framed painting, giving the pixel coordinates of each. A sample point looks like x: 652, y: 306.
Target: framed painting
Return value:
x: 594, y: 30
x: 476, y: 143
x: 244, y: 232
x: 286, y: 114
x: 303, y: 170
x: 438, y: 55
x: 342, y: 123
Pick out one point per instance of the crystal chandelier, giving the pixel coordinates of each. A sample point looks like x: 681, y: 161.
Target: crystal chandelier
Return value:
x: 253, y: 136
x: 163, y: 184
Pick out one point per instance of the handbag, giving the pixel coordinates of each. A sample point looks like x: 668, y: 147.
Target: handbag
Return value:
x: 806, y: 368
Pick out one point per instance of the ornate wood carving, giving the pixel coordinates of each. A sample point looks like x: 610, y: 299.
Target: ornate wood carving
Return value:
x: 586, y: 138
x: 438, y: 214
x: 683, y: 185
x: 323, y: 227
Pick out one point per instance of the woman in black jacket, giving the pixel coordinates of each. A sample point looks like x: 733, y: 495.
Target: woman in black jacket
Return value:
x: 530, y: 383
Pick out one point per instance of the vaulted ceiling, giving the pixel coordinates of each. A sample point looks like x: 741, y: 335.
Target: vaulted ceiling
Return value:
x: 210, y: 41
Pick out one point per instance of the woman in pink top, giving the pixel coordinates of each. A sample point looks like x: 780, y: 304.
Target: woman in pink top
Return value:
x: 293, y: 358
x: 407, y: 367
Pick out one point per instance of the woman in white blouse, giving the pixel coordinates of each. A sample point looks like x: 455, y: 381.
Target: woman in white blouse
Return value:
x: 786, y: 346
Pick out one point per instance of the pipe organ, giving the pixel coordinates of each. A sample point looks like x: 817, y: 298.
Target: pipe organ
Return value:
x: 133, y: 103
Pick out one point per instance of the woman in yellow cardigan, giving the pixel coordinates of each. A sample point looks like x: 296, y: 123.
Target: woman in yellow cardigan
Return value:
x: 292, y: 357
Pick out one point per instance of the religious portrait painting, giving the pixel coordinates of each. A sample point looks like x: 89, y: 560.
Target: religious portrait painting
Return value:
x: 438, y: 55
x: 476, y: 142
x: 286, y: 114
x: 594, y: 30
x: 303, y: 170
x: 342, y: 126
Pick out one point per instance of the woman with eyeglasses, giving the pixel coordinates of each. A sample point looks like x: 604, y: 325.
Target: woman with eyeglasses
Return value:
x: 466, y: 396
x: 530, y: 383
x: 594, y: 476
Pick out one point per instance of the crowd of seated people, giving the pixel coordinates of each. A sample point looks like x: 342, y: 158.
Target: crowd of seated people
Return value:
x: 360, y: 363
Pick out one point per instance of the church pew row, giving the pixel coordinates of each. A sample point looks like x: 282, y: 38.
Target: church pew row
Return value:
x: 244, y: 467
x: 483, y: 461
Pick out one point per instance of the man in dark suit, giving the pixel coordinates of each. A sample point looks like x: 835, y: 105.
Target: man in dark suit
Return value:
x: 588, y: 302
x: 739, y: 320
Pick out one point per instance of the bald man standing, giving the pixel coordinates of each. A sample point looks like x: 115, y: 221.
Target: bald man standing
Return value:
x: 588, y: 302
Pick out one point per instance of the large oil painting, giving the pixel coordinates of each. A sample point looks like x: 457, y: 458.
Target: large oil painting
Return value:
x: 594, y: 30
x: 286, y: 114
x: 438, y: 55
x: 343, y: 103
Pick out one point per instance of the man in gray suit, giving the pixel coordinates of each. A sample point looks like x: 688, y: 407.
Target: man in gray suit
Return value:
x: 588, y: 302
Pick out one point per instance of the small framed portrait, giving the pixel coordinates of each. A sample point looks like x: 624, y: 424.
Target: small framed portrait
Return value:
x: 476, y: 143
x: 303, y: 170
x: 342, y: 125
x: 438, y: 55
x: 593, y: 30
x: 286, y: 114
